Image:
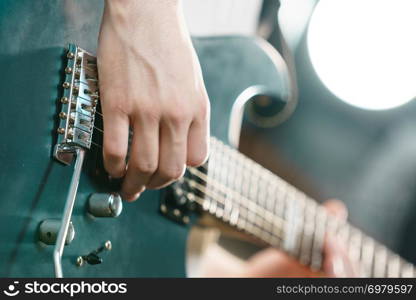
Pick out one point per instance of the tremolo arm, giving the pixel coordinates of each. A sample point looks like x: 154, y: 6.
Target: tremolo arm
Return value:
x: 76, y: 126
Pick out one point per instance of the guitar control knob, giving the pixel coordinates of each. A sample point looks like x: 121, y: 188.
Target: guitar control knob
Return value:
x: 105, y: 205
x: 49, y: 229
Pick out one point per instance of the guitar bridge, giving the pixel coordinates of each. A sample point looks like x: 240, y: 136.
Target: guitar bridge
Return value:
x: 78, y: 104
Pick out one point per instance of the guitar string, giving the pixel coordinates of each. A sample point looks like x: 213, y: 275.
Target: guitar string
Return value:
x: 272, y: 180
x: 239, y: 158
x: 247, y: 202
x: 225, y: 189
x: 264, y: 216
x: 272, y: 242
x: 221, y: 200
x: 206, y: 191
x: 257, y: 170
x: 257, y: 208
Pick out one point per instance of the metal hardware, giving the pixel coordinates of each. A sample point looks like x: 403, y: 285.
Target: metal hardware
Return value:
x: 76, y: 124
x: 80, y: 261
x: 48, y: 231
x: 70, y: 55
x: 108, y: 246
x: 93, y: 258
x: 66, y: 219
x: 105, y: 205
x: 177, y: 203
x: 78, y: 107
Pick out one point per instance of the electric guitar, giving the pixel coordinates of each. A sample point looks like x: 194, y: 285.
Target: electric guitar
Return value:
x: 59, y: 215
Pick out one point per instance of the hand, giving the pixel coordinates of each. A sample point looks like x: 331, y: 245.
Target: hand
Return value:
x: 150, y: 81
x: 274, y: 263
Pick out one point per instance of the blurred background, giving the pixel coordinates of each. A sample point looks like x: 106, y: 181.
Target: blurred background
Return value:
x: 352, y: 136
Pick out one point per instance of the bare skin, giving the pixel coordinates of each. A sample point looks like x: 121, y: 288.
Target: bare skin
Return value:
x: 151, y: 82
x: 273, y: 263
x: 216, y: 262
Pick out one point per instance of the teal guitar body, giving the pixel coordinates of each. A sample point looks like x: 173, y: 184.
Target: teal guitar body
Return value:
x: 33, y: 185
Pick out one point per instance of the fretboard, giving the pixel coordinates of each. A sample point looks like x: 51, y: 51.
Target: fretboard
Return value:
x: 243, y: 194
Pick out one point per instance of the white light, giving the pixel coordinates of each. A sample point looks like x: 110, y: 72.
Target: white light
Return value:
x: 364, y: 51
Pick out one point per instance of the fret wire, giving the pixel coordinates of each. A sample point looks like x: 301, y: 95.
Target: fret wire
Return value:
x: 307, y: 236
x: 230, y: 163
x: 367, y: 255
x: 258, y: 169
x: 273, y: 180
x: 259, y: 210
x: 244, y: 161
x: 203, y: 189
x: 269, y: 180
x: 201, y: 201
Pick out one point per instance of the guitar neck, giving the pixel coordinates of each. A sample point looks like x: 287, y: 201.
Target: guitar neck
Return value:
x: 248, y: 197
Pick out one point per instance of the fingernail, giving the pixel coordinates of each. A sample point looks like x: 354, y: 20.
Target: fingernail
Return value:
x: 130, y: 198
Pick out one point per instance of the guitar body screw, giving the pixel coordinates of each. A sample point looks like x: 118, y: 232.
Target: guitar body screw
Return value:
x: 70, y: 55
x: 80, y: 261
x: 108, y: 246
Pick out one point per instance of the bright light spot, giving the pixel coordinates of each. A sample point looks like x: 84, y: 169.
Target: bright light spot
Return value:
x: 364, y: 51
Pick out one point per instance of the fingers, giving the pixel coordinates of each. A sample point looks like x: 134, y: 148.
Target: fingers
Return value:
x: 143, y: 161
x: 116, y: 134
x: 161, y: 149
x: 337, y: 262
x: 274, y: 263
x: 336, y: 208
x: 172, y: 152
x: 198, y: 141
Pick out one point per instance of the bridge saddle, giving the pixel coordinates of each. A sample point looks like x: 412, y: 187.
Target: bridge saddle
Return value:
x: 78, y: 104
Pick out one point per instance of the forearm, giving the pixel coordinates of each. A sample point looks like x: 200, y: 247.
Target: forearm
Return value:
x: 142, y: 10
x: 148, y: 68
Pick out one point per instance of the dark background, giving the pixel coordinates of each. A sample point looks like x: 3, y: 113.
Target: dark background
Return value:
x: 333, y: 150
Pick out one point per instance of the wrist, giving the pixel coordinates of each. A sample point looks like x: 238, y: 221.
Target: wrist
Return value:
x: 136, y: 12
x: 142, y: 7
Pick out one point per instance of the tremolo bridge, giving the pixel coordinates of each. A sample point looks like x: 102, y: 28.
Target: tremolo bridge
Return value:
x: 76, y: 126
x: 78, y: 104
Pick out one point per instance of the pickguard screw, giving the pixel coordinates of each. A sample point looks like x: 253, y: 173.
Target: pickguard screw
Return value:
x: 68, y: 70
x: 62, y: 115
x: 64, y: 100
x: 185, y: 219
x: 66, y: 85
x: 108, y: 246
x: 61, y: 130
x: 70, y: 55
x: 80, y: 261
x: 178, y: 192
x: 176, y: 212
x: 163, y: 208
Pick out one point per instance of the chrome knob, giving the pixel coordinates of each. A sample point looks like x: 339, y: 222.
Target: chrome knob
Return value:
x: 105, y: 205
x: 49, y: 229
